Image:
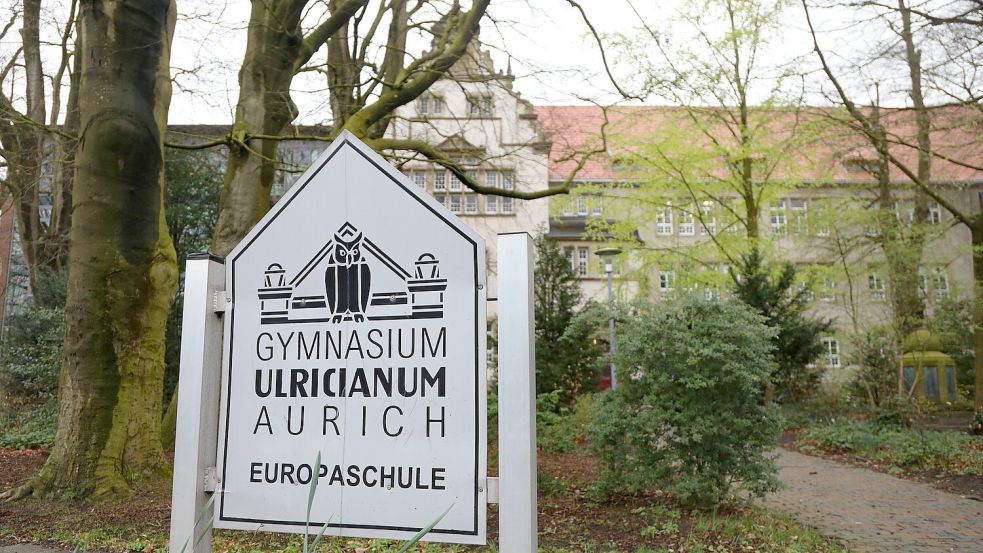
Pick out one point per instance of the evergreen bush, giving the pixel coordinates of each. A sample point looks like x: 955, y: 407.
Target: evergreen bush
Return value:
x: 689, y: 414
x: 30, y: 357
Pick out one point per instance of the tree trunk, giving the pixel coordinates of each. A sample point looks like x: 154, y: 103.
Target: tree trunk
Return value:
x: 902, y: 245
x: 977, y: 242
x: 265, y: 107
x: 123, y: 271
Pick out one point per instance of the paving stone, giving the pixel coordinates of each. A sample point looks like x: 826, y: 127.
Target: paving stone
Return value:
x: 875, y: 512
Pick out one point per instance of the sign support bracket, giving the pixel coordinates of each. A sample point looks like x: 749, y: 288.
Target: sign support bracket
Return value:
x: 516, y: 395
x: 198, y: 402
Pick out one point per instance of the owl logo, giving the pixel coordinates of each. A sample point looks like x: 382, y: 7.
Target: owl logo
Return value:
x: 347, y: 279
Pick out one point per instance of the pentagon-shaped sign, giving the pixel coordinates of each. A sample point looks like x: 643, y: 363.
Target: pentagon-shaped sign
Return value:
x: 356, y: 334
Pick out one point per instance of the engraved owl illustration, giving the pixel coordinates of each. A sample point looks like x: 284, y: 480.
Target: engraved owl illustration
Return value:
x: 347, y: 279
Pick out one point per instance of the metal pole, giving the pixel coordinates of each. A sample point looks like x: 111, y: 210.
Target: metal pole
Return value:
x: 198, y: 398
x: 516, y: 395
x: 614, y: 374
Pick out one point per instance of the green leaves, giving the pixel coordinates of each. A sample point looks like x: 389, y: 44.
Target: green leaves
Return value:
x: 688, y: 415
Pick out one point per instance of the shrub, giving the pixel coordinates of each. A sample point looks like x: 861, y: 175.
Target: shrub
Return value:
x: 689, y: 414
x: 902, y: 447
x: 774, y: 292
x: 566, y: 356
x: 31, y: 354
x: 28, y: 428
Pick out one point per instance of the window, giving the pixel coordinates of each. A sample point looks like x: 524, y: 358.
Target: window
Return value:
x: 876, y: 286
x: 904, y: 212
x: 931, y: 375
x: 663, y: 220
x: 711, y: 292
x: 829, y: 290
x: 507, y: 181
x: 582, y: 262
x: 822, y: 229
x: 441, y: 199
x: 471, y: 204
x: 582, y: 205
x: 779, y: 220
x: 419, y: 178
x: 480, y: 106
x: 568, y: 207
x: 568, y: 251
x: 507, y: 205
x: 596, y: 208
x: 440, y: 180
x: 455, y: 184
x: 831, y: 348
x: 455, y: 203
x: 686, y: 221
x: 428, y: 104
x: 922, y: 285
x: 950, y: 382
x: 800, y: 217
x: 940, y: 282
x: 491, y: 204
x: 491, y: 179
x: 709, y: 223
x: 666, y: 281
x: 934, y: 213
x: 909, y: 380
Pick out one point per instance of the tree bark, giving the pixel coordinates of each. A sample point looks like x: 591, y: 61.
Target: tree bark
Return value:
x: 902, y: 245
x: 277, y: 49
x: 977, y: 243
x: 26, y: 145
x: 264, y: 107
x: 123, y: 271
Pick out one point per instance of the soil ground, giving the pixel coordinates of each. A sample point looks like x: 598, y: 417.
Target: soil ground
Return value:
x: 569, y: 519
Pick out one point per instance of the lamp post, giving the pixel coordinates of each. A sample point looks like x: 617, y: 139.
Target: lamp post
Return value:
x: 607, y: 257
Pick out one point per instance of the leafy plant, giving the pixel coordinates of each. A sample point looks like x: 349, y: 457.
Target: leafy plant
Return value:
x: 776, y: 296
x: 30, y: 356
x: 901, y: 447
x: 566, y: 356
x: 690, y: 416
x: 28, y: 428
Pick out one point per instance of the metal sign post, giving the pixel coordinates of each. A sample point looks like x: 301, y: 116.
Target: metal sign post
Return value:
x: 198, y: 390
x: 516, y: 395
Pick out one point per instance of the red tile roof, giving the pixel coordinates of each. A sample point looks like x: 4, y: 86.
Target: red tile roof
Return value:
x: 824, y: 142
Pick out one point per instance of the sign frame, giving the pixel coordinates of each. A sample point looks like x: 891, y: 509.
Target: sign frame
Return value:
x: 203, y: 356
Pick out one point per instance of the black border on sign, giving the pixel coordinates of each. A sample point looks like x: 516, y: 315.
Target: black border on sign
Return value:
x: 477, y: 366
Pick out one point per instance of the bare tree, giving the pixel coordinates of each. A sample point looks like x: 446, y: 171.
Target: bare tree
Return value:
x: 968, y: 215
x: 29, y: 142
x: 123, y: 267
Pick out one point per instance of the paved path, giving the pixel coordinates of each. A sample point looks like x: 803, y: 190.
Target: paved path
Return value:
x: 875, y: 512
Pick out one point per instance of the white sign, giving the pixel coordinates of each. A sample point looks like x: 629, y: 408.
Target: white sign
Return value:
x: 357, y: 332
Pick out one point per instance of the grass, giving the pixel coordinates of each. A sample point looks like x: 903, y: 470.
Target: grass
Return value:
x: 904, y: 448
x: 705, y: 532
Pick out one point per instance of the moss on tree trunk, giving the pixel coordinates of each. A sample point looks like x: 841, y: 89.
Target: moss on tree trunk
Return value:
x: 122, y: 266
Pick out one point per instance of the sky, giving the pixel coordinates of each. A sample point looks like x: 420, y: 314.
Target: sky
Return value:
x: 551, y: 52
x: 554, y: 57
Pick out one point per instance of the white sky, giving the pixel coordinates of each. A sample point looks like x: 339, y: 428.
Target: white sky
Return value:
x: 553, y: 57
